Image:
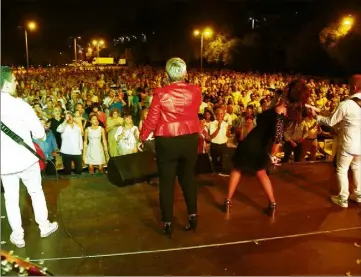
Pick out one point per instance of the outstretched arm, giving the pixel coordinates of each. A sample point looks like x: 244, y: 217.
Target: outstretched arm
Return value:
x: 335, y: 118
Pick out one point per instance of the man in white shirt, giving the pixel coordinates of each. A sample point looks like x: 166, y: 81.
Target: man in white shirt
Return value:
x: 219, y: 132
x: 348, y: 113
x: 17, y: 162
x: 109, y: 99
x: 71, y: 145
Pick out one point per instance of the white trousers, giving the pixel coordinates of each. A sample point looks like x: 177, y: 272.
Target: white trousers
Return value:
x: 31, y: 178
x: 344, y: 162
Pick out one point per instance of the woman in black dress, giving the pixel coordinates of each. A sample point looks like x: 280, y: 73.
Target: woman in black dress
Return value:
x: 260, y: 147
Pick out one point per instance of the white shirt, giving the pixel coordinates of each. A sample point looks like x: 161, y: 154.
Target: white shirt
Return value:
x: 202, y: 107
x: 107, y: 101
x: 349, y: 114
x: 129, y: 135
x: 221, y: 137
x: 71, y: 139
x: 20, y: 117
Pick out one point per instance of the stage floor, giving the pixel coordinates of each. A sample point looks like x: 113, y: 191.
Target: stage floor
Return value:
x: 120, y: 231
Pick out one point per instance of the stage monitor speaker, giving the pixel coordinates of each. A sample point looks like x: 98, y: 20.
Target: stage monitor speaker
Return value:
x: 204, y: 165
x: 131, y: 169
x: 227, y: 160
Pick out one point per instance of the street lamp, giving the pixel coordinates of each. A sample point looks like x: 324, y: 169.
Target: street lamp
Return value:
x: 347, y: 20
x: 75, y: 49
x: 206, y: 33
x: 346, y: 25
x: 97, y: 44
x: 31, y: 26
x: 253, y: 21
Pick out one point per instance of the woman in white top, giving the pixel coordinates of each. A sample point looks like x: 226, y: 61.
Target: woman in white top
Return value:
x: 127, y: 136
x: 95, y: 151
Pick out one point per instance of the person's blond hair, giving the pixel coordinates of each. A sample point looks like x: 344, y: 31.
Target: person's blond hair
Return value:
x: 176, y: 69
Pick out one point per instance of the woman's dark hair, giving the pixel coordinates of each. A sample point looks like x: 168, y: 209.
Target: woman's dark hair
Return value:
x: 92, y: 115
x: 297, y: 95
x: 126, y: 114
x: 298, y: 92
x: 96, y: 105
x: 88, y: 124
x: 200, y: 116
x: 210, y: 112
x: 114, y: 110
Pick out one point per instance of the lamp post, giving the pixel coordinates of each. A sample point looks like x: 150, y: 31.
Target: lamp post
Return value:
x: 97, y: 44
x: 206, y: 33
x: 31, y: 26
x: 253, y: 21
x: 348, y: 21
x: 75, y: 48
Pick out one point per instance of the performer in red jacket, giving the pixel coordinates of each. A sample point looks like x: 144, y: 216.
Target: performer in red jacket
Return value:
x: 173, y: 116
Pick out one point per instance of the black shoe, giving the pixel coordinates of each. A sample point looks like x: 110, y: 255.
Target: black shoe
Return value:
x: 192, y: 223
x: 168, y: 229
x: 271, y: 210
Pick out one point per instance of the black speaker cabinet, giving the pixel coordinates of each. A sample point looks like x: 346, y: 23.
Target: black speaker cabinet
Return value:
x: 131, y: 169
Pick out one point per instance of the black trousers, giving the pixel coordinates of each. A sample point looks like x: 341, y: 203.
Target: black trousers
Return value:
x: 297, y: 151
x: 149, y: 145
x: 176, y: 156
x: 50, y: 168
x: 78, y: 162
x: 217, y: 151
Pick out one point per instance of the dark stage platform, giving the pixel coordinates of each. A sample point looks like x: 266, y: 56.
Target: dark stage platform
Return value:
x: 120, y: 230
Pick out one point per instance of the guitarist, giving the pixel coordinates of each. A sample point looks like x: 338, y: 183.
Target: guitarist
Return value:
x: 348, y: 113
x: 17, y: 162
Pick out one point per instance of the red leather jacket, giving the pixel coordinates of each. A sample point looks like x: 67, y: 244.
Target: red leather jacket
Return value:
x: 173, y: 111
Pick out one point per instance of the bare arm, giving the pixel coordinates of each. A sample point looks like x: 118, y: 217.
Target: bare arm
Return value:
x: 335, y: 118
x: 105, y: 145
x: 85, y: 140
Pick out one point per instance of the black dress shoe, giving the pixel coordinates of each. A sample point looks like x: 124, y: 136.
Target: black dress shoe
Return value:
x: 192, y: 223
x: 168, y: 229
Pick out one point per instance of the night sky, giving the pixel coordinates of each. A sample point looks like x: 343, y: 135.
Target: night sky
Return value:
x: 58, y: 20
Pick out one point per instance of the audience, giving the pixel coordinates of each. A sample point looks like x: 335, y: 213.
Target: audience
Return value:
x: 67, y: 99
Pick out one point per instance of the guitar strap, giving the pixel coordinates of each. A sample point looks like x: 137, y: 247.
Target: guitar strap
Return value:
x: 20, y: 141
x: 356, y: 100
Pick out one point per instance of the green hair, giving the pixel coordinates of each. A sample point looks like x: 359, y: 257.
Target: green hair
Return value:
x: 5, y: 75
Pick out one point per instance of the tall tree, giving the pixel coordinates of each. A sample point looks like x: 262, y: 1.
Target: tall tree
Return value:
x: 221, y: 49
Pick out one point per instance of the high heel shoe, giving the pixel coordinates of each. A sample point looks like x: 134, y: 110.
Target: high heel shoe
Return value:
x: 168, y: 229
x: 192, y: 223
x: 227, y: 204
x: 271, y: 209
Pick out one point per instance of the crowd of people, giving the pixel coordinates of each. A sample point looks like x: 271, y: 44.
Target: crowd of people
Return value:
x: 92, y: 115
